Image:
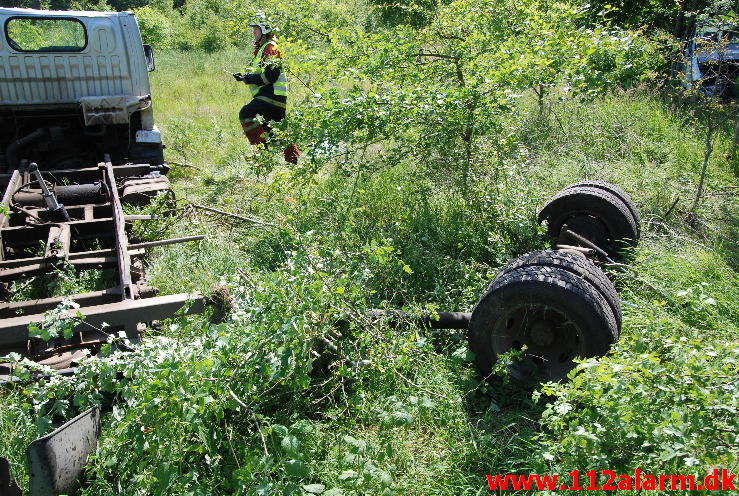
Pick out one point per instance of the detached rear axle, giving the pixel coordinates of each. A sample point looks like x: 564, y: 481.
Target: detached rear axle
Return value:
x: 555, y: 305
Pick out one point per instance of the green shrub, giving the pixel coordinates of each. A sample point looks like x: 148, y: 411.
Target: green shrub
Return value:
x: 156, y: 26
x: 214, y: 36
x: 416, y: 13
x: 661, y: 404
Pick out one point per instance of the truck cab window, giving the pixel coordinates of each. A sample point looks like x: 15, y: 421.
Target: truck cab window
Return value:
x: 27, y: 34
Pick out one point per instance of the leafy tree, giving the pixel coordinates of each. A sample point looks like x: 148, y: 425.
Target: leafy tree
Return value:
x: 416, y: 13
x: 670, y: 16
x: 445, y: 93
x: 156, y: 27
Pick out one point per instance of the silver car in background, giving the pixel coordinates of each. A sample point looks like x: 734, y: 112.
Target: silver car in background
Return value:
x: 712, y: 61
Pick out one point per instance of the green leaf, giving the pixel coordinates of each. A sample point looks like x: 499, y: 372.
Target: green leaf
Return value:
x: 357, y: 445
x: 296, y: 468
x: 402, y: 418
x: 314, y: 488
x: 263, y: 489
x: 280, y: 429
x: 291, y: 445
x: 347, y: 475
x: 384, y: 478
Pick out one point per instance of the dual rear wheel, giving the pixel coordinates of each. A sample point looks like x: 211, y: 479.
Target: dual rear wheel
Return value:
x: 598, y: 213
x: 552, y: 305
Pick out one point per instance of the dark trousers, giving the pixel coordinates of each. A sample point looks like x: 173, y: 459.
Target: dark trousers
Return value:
x: 249, y: 122
x: 258, y: 110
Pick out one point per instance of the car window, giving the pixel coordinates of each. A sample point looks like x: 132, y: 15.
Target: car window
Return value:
x: 31, y: 34
x: 709, y: 35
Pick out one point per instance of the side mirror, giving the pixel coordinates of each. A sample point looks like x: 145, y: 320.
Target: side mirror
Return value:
x: 149, y: 55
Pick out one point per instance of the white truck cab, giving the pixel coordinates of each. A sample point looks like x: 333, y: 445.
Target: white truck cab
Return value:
x: 74, y: 86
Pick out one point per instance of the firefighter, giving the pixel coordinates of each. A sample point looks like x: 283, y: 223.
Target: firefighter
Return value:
x: 268, y: 86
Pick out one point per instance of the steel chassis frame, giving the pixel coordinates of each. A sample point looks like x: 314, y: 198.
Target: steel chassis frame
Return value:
x: 124, y: 306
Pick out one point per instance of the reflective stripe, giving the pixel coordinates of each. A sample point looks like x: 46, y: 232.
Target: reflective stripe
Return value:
x: 269, y: 100
x: 257, y: 60
x: 256, y: 63
x: 258, y: 56
x: 280, y: 86
x: 248, y: 127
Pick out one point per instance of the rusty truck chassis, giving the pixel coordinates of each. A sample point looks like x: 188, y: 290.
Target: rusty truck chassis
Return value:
x: 93, y: 236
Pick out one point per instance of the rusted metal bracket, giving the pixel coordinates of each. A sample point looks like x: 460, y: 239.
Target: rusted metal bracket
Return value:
x: 121, y: 240
x: 32, y: 243
x: 16, y: 309
x: 30, y: 266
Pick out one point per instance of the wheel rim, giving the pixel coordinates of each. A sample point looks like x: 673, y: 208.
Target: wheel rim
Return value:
x: 552, y: 340
x: 588, y: 226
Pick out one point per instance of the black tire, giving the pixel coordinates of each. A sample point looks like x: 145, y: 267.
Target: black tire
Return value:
x: 619, y: 193
x: 593, y: 213
x: 577, y: 265
x: 555, y: 313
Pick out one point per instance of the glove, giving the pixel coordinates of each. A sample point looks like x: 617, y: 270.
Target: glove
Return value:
x: 238, y: 76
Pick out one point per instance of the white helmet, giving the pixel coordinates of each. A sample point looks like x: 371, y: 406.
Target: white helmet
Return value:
x: 263, y: 27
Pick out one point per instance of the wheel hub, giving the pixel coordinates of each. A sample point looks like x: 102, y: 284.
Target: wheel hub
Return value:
x: 589, y: 227
x: 542, y: 333
x: 552, y: 339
